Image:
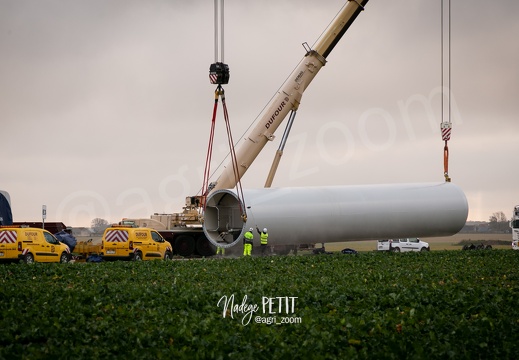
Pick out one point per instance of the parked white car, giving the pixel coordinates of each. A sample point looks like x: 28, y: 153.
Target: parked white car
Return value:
x: 401, y: 245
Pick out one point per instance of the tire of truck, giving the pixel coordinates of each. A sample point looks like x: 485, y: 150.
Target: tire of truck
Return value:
x: 396, y: 249
x: 28, y: 258
x: 488, y: 247
x: 168, y: 256
x: 185, y: 245
x: 204, y: 246
x: 281, y: 249
x: 424, y: 249
x: 137, y: 256
x: 64, y: 258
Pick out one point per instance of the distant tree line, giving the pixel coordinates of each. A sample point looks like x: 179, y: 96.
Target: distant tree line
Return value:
x: 498, y: 222
x: 99, y: 225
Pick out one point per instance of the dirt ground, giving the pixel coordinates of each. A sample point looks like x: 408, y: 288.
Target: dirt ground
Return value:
x: 436, y: 243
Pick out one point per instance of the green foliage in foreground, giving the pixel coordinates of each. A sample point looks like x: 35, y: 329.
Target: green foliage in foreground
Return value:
x: 457, y: 304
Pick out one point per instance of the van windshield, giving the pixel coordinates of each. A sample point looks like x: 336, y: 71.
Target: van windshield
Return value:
x: 156, y: 237
x: 51, y: 239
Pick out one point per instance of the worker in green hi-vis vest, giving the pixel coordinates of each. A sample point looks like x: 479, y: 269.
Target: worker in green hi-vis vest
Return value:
x: 247, y: 242
x: 264, y: 236
x: 220, y: 251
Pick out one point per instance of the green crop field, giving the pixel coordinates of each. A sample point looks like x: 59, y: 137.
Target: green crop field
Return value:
x: 438, y: 304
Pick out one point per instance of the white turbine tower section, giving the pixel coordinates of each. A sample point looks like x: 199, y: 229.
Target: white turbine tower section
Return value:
x: 340, y: 213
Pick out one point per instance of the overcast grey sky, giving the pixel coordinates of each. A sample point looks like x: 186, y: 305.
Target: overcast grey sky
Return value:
x: 105, y: 105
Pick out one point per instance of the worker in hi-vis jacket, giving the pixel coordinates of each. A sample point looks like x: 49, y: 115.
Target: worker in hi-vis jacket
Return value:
x: 247, y: 242
x: 264, y: 236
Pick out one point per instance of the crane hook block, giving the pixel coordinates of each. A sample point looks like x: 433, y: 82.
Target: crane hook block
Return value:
x: 446, y: 131
x: 219, y: 73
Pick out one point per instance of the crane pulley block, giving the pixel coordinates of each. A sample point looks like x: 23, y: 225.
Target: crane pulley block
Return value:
x: 219, y: 73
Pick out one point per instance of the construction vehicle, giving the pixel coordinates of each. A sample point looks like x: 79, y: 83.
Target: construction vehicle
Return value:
x: 6, y: 216
x: 81, y: 251
x: 305, y: 216
x: 31, y: 245
x: 52, y: 227
x: 87, y: 249
x: 122, y: 242
x: 184, y: 230
x: 514, y: 224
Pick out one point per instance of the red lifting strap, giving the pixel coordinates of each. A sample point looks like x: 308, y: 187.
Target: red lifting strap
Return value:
x: 239, y: 188
x: 207, y: 170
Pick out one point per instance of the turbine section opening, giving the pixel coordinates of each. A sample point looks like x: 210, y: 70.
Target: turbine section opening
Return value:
x: 223, y: 224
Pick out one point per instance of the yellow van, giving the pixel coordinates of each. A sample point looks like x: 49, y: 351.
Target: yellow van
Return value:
x: 128, y: 243
x: 31, y: 245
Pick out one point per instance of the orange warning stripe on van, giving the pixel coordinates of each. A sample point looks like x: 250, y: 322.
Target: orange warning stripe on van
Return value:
x: 116, y: 236
x: 8, y: 237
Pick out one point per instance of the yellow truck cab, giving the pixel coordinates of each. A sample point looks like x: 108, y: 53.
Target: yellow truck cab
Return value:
x: 31, y: 245
x: 128, y: 243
